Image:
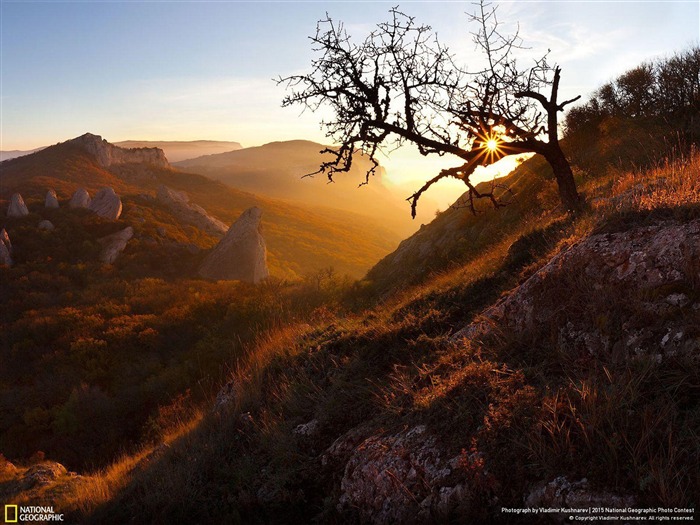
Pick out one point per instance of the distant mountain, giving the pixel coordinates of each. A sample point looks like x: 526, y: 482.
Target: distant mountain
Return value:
x: 181, y: 150
x: 13, y: 154
x: 174, y: 150
x: 300, y: 239
x: 277, y: 170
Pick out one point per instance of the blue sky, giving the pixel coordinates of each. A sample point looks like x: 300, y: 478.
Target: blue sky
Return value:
x: 186, y: 70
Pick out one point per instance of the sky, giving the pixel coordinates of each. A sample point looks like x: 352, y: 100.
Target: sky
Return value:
x: 190, y: 70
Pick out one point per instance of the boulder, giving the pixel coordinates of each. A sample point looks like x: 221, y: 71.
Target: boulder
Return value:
x: 80, y: 199
x: 179, y: 203
x: 241, y: 255
x: 106, y: 204
x: 113, y: 245
x: 46, y: 225
x: 405, y: 477
x: 43, y: 474
x: 51, y: 200
x: 5, y: 249
x: 17, y: 207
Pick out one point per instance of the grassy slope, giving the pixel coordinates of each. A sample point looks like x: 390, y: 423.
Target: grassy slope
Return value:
x: 534, y: 412
x: 531, y: 410
x: 300, y: 240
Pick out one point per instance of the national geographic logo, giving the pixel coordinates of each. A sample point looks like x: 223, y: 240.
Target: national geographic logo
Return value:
x: 18, y: 514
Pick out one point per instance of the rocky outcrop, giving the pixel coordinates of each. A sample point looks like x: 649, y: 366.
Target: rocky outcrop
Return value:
x: 401, y: 478
x: 110, y: 155
x: 106, y: 204
x: 639, y: 267
x: 113, y: 245
x: 179, y: 203
x: 51, y: 200
x: 5, y: 249
x: 560, y: 493
x: 241, y: 255
x: 42, y: 474
x: 80, y: 199
x: 17, y: 207
x: 46, y: 225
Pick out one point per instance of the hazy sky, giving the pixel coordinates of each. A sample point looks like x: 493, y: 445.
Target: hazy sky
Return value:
x: 190, y: 70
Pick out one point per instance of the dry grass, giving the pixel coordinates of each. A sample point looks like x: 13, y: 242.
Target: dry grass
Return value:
x: 674, y: 182
x: 78, y: 496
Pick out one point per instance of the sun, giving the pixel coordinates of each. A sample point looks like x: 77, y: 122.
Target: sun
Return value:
x: 492, y: 145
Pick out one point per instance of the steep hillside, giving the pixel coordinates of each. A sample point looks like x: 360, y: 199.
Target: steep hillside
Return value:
x: 555, y: 368
x: 177, y: 151
x: 300, y: 240
x: 277, y: 170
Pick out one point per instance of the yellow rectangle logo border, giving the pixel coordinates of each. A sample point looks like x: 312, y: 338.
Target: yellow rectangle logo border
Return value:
x: 7, y: 517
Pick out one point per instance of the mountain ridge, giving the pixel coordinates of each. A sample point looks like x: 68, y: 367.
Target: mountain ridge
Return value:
x: 300, y: 239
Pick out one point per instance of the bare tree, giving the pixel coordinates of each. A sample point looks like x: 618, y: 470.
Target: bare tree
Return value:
x: 401, y: 85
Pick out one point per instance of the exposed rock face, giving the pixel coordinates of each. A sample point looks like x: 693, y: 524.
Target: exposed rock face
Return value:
x: 241, y: 255
x: 5, y: 249
x: 106, y: 204
x: 401, y: 478
x: 179, y: 203
x: 110, y: 155
x: 43, y: 474
x: 51, y: 200
x: 80, y: 199
x: 46, y: 225
x: 17, y: 207
x: 560, y: 493
x: 113, y: 245
x: 644, y: 261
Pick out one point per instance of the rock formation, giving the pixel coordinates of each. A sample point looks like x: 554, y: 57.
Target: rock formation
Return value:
x: 106, y: 204
x: 51, y: 200
x: 113, y: 245
x: 241, y: 255
x: 179, y: 203
x: 17, y: 207
x: 80, y: 199
x: 5, y: 249
x: 46, y: 225
x: 401, y: 478
x: 110, y: 155
x: 647, y: 261
x: 560, y: 493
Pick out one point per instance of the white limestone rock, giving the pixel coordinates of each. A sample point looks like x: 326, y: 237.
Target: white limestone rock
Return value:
x: 51, y: 200
x: 80, y: 199
x: 108, y: 154
x: 241, y: 255
x: 106, y: 204
x: 113, y: 245
x: 17, y: 207
x: 46, y: 225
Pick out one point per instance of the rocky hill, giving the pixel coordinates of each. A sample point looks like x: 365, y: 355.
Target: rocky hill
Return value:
x: 177, y: 151
x: 300, y: 240
x: 108, y: 154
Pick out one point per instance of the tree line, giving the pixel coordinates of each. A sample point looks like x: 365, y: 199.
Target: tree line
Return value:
x: 667, y: 88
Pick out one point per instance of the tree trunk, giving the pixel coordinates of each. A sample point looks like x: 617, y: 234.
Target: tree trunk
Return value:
x: 565, y: 179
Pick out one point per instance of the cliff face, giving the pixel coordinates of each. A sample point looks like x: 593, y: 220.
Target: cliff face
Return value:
x: 110, y: 155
